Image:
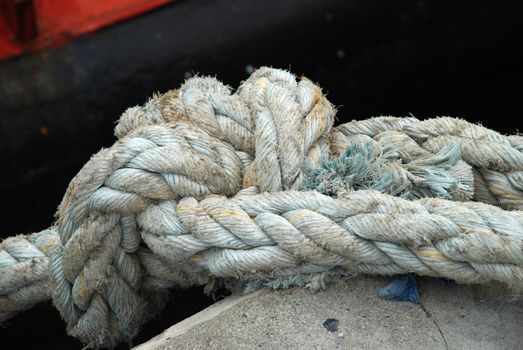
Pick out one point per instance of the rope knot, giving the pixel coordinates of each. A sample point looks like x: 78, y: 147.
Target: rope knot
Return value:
x: 204, y: 182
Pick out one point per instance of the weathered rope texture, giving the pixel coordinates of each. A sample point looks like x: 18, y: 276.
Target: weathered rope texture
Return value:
x: 205, y: 182
x: 24, y: 271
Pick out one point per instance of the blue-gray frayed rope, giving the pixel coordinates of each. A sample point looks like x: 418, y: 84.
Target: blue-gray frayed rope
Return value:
x: 372, y: 166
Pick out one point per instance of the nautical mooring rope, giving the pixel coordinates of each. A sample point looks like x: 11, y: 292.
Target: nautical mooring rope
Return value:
x: 204, y: 182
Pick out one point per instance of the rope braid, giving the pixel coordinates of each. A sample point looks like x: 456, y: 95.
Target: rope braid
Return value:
x: 205, y: 182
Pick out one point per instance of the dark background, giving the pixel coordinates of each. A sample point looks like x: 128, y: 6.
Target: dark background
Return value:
x: 372, y: 57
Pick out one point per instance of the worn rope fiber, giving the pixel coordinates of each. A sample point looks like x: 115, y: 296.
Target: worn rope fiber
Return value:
x: 204, y: 182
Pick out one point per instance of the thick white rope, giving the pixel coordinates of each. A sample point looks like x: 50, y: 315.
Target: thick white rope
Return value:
x: 496, y: 159
x: 174, y: 202
x: 24, y: 271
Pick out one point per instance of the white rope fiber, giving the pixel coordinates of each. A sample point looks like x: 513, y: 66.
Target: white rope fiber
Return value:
x: 205, y: 182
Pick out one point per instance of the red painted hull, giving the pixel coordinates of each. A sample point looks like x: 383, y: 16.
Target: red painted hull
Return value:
x: 31, y: 25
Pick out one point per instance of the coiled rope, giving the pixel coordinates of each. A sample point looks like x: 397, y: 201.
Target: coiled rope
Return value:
x: 204, y: 182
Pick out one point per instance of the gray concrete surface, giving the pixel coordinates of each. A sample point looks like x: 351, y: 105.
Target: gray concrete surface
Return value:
x: 450, y: 317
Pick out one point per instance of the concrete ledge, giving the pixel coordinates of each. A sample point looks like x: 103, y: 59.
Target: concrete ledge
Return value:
x: 450, y: 317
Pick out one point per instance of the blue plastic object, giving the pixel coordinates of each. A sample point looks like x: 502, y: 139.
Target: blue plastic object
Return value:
x: 402, y: 288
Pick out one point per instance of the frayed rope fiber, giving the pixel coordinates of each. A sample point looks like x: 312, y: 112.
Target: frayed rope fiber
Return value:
x: 257, y: 185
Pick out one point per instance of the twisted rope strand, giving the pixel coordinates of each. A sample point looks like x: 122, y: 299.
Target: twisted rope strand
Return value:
x: 496, y: 159
x: 24, y: 271
x: 205, y: 182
